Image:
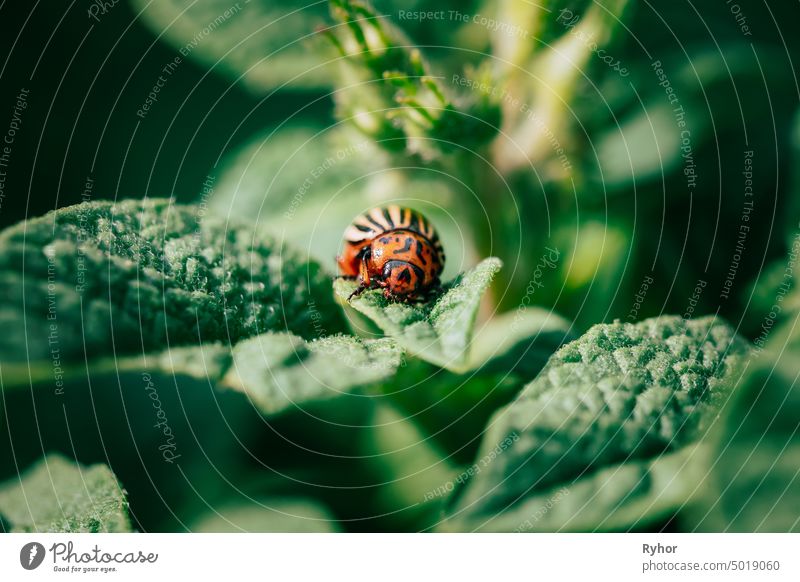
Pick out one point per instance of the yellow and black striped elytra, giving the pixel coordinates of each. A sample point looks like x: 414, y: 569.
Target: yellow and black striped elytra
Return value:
x: 394, y: 248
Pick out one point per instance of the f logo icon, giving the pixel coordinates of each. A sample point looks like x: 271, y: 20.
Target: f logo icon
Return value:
x: 31, y: 555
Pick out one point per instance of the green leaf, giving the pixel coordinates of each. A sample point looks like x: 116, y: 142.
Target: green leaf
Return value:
x: 281, y: 371
x: 408, y: 464
x: 59, y: 495
x: 622, y: 392
x: 166, y: 420
x: 265, y: 43
x: 519, y: 341
x: 200, y: 410
x: 106, y: 278
x: 268, y: 515
x: 641, y: 148
x: 640, y: 141
x: 754, y: 481
x: 278, y: 176
x: 276, y: 370
x: 439, y: 331
x: 453, y: 408
x: 203, y: 362
x: 616, y: 498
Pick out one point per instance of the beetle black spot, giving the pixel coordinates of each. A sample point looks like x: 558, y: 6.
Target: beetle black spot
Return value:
x: 406, y: 247
x: 405, y: 276
x: 420, y: 253
x: 385, y: 239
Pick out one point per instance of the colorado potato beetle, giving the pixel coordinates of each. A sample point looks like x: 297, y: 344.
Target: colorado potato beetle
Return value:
x: 393, y: 248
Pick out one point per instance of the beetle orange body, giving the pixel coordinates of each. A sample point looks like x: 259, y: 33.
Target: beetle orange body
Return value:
x: 394, y: 248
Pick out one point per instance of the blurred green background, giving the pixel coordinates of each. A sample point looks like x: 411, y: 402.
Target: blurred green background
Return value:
x: 247, y: 113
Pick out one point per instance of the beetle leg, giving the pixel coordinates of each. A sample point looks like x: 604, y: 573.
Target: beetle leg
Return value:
x: 363, y: 272
x: 359, y: 290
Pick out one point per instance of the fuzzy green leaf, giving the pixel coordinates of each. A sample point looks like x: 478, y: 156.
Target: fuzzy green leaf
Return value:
x: 615, y: 498
x: 277, y: 371
x: 281, y: 371
x: 621, y: 392
x: 439, y: 331
x: 106, y: 278
x: 59, y: 495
